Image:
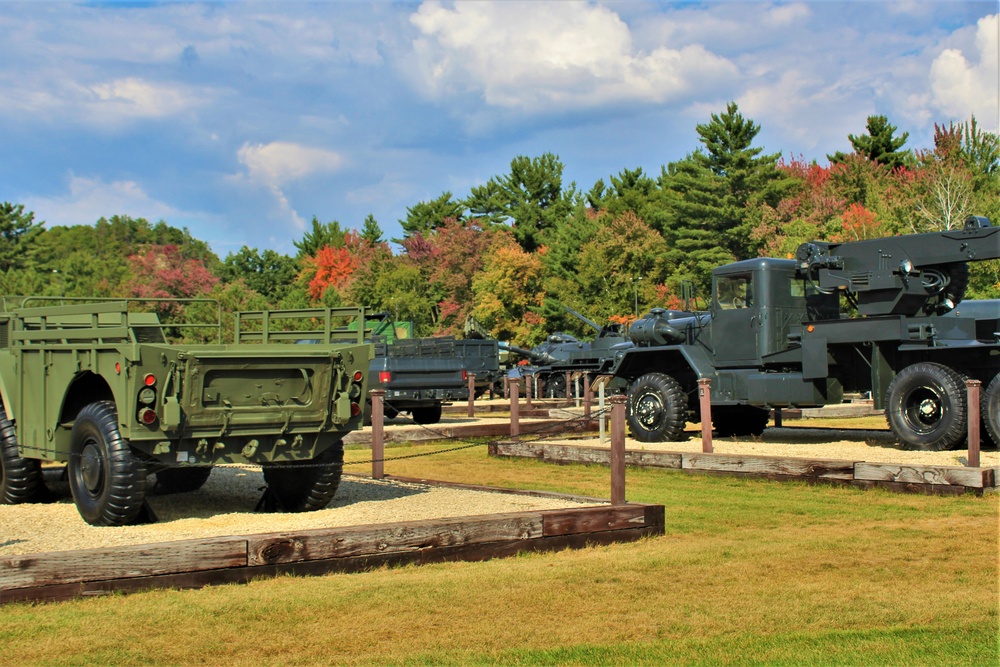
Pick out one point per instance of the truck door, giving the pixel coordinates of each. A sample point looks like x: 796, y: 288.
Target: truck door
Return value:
x: 735, y: 321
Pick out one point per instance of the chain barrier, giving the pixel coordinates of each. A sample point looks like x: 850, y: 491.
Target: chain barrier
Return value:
x: 563, y: 427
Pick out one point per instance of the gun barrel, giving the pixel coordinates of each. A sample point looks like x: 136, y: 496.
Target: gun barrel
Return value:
x: 594, y: 325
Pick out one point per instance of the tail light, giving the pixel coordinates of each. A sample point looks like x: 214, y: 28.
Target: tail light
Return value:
x: 384, y: 377
x: 465, y: 375
x: 358, y: 376
x: 147, y: 416
x: 355, y: 409
x: 149, y: 380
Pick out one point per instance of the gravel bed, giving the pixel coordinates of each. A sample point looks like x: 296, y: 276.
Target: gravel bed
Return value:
x: 225, y: 506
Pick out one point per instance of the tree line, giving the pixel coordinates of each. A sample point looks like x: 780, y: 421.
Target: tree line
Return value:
x: 514, y: 251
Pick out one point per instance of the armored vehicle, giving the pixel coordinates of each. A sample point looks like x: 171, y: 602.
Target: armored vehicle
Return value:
x: 884, y: 316
x: 562, y: 352
x: 97, y: 386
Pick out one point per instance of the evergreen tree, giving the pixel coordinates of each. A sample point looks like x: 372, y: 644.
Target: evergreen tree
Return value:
x: 17, y: 229
x: 320, y: 235
x: 710, y: 192
x: 424, y: 217
x: 371, y: 233
x: 879, y: 144
x: 531, y: 197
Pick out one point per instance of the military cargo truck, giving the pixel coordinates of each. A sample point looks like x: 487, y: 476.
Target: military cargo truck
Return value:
x: 97, y: 386
x: 419, y: 375
x: 875, y: 316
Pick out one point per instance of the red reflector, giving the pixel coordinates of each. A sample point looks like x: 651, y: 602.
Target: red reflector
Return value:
x: 384, y: 377
x: 149, y: 380
x: 358, y: 376
x: 355, y: 409
x: 147, y: 416
x: 465, y: 375
x: 118, y: 368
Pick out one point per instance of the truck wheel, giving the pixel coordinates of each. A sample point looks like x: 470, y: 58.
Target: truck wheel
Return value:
x: 657, y: 408
x: 20, y: 478
x: 739, y: 420
x: 430, y: 415
x: 107, y: 480
x: 925, y: 407
x: 307, y: 486
x: 989, y: 407
x: 180, y: 480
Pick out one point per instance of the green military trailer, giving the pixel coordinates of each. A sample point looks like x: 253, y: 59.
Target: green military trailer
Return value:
x: 98, y: 386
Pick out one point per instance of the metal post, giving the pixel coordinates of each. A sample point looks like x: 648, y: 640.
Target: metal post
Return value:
x: 588, y: 400
x: 515, y: 427
x: 378, y: 439
x: 569, y: 385
x: 705, y: 394
x: 472, y: 394
x: 617, y: 449
x: 972, y: 386
x: 527, y: 390
x: 601, y: 413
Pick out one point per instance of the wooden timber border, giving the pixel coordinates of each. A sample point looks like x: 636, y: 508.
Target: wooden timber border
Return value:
x: 195, y: 563
x: 944, y: 480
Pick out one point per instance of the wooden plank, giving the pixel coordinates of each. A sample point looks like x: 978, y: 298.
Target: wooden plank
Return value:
x: 652, y: 459
x: 592, y: 520
x: 65, y: 567
x: 768, y: 465
x: 389, y: 538
x: 911, y: 474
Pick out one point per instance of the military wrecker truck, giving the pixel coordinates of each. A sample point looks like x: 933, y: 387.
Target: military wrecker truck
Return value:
x: 98, y: 387
x: 883, y: 316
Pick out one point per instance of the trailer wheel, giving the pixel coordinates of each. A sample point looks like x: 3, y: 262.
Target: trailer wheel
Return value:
x: 20, y: 478
x: 925, y: 406
x: 107, y: 480
x: 657, y: 408
x: 429, y: 415
x: 306, y: 486
x: 738, y: 420
x: 989, y: 406
x: 180, y: 480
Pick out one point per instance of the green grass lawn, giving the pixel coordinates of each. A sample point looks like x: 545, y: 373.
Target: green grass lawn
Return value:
x: 749, y: 572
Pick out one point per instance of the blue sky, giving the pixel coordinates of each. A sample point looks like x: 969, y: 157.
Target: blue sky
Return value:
x: 243, y: 120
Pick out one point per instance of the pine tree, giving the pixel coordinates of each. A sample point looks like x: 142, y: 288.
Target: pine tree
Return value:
x: 879, y: 145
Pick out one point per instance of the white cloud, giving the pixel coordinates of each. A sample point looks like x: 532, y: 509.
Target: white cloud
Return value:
x: 277, y: 164
x: 89, y: 199
x: 967, y: 81
x: 564, y: 55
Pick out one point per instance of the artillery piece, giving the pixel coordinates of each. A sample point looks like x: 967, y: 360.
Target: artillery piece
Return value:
x: 562, y: 352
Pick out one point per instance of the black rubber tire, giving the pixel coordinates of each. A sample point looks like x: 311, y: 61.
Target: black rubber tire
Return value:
x: 989, y: 409
x: 20, y: 478
x: 739, y: 420
x: 307, y: 486
x: 428, y: 415
x: 657, y: 408
x: 925, y: 407
x: 107, y: 480
x: 180, y: 480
